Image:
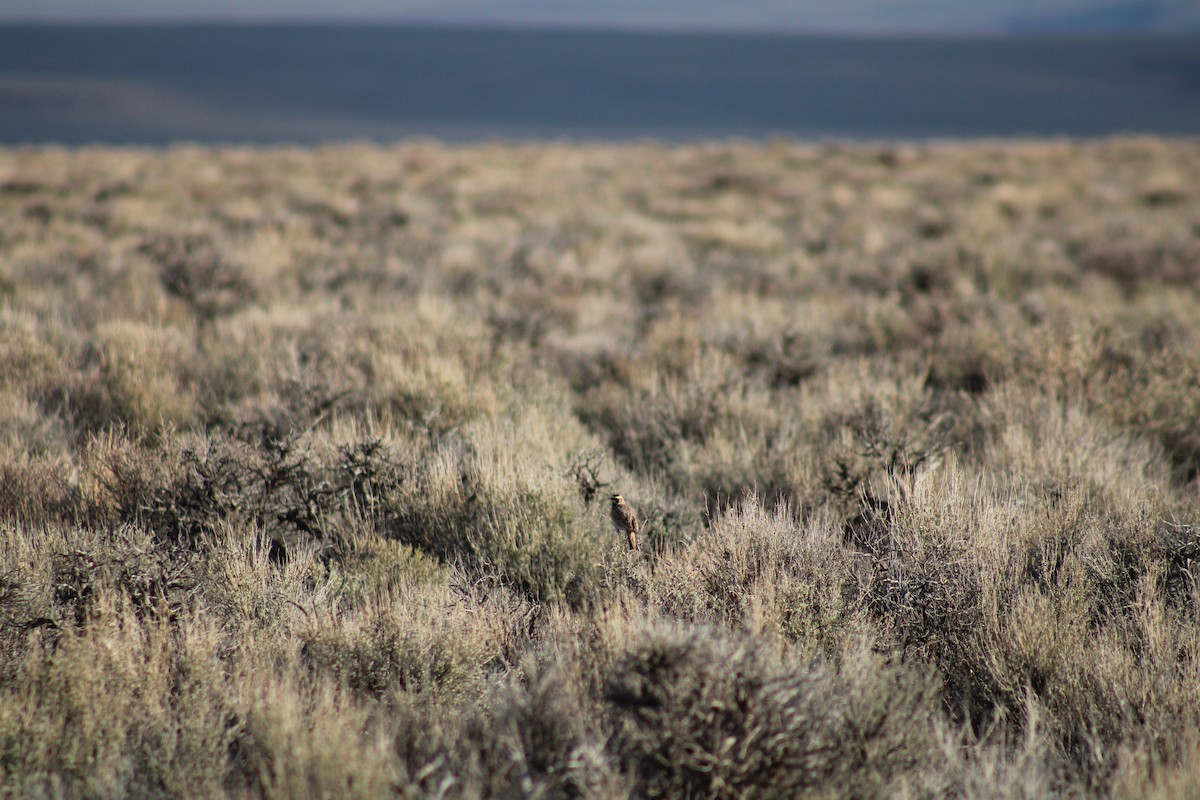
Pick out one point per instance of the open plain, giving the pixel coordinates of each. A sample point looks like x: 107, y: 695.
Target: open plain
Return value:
x: 306, y: 457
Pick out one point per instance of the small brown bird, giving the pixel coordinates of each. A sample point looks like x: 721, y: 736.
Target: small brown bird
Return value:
x: 625, y: 520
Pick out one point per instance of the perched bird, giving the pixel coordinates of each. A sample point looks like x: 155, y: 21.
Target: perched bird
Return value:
x: 625, y: 520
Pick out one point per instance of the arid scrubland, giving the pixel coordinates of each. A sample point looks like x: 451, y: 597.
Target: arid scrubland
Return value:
x: 305, y: 458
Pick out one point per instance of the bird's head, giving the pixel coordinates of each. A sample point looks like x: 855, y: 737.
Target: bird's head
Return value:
x: 617, y: 499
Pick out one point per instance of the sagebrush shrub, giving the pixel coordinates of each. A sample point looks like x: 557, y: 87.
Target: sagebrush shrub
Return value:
x: 305, y: 457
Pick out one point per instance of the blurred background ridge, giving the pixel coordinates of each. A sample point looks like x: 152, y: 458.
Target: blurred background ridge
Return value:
x: 131, y: 71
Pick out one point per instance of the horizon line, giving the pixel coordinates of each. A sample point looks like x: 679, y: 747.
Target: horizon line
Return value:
x: 629, y: 27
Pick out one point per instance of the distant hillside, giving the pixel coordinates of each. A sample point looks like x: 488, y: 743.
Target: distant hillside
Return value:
x: 1139, y: 16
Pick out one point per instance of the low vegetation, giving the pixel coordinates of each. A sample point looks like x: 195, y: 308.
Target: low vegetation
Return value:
x: 305, y: 458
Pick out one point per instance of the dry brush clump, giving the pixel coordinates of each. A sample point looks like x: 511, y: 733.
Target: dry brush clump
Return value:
x: 305, y: 457
x: 701, y: 716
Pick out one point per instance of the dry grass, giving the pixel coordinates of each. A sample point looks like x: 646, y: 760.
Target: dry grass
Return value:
x: 304, y: 459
